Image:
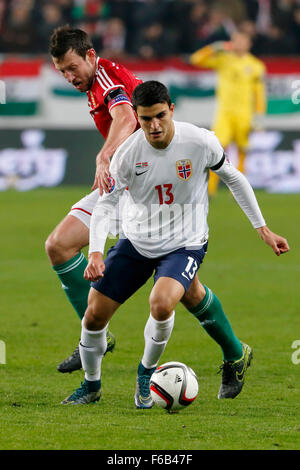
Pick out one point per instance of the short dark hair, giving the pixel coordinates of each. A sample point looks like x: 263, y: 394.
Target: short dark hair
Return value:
x: 150, y: 93
x: 65, y: 38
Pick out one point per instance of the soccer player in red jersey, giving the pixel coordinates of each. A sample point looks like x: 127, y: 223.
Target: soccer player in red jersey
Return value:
x: 109, y: 87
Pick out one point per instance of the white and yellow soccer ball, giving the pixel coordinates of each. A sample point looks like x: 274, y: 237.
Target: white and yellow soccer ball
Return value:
x: 173, y: 386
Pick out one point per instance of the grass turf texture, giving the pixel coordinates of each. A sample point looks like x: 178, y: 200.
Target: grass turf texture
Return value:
x: 259, y: 292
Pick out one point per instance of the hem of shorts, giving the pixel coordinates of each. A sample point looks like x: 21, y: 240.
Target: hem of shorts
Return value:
x: 109, y: 296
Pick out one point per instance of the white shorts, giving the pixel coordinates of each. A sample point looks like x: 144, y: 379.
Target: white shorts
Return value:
x: 83, y: 210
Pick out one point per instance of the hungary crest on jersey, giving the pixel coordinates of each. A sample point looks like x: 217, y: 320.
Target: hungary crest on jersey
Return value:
x: 184, y: 169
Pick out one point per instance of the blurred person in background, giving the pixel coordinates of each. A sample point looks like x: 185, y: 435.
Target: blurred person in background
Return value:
x: 241, y: 100
x: 90, y: 10
x: 251, y: 9
x: 201, y: 22
x: 109, y: 87
x: 148, y: 12
x: 154, y: 42
x: 277, y: 41
x: 295, y: 29
x: 2, y: 22
x: 257, y: 39
x: 193, y: 15
x: 18, y: 30
x: 114, y: 39
x: 51, y: 17
x: 218, y: 26
x: 91, y: 16
x: 273, y: 22
x: 140, y: 16
x: 281, y: 13
x: 66, y: 7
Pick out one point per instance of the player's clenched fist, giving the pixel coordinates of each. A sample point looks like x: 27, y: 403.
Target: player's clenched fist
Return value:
x: 278, y: 244
x: 94, y: 270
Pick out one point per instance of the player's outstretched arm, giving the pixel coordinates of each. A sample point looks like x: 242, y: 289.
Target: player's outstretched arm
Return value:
x: 207, y: 55
x: 278, y: 244
x: 95, y: 268
x: 123, y: 125
x: 245, y: 197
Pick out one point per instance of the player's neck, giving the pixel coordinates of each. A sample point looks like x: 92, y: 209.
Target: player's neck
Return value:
x: 94, y: 76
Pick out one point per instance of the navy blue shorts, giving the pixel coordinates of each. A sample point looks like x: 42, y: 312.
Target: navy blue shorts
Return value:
x: 126, y: 270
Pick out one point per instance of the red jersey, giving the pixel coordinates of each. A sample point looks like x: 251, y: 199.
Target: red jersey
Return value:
x: 109, y: 77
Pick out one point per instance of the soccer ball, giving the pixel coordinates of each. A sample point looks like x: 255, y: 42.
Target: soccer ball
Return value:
x: 173, y: 386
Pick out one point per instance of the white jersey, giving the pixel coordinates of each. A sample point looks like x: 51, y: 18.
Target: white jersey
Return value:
x: 167, y: 206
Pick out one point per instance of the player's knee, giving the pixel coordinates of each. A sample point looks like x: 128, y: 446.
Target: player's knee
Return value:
x: 58, y: 250
x: 92, y: 321
x: 53, y: 246
x: 161, y: 306
x: 50, y: 246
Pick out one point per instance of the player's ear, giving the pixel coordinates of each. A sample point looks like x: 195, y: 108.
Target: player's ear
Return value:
x: 91, y: 56
x: 172, y: 107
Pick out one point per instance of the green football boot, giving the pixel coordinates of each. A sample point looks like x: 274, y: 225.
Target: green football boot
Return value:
x: 88, y: 392
x: 142, y: 397
x: 233, y: 374
x: 111, y: 342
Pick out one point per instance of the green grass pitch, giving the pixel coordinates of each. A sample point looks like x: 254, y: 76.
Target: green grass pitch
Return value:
x: 259, y: 292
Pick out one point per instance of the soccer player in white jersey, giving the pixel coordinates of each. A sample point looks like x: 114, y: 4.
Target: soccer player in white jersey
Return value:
x: 165, y: 165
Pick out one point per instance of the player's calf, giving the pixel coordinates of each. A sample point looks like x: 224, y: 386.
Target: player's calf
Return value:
x: 73, y: 362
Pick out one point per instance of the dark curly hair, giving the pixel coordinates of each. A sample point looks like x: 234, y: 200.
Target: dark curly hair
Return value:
x: 65, y: 38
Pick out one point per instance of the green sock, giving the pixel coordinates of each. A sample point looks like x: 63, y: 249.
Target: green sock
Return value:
x: 213, y: 319
x: 75, y: 286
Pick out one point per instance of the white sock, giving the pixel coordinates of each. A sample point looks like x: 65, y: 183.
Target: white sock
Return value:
x: 92, y: 347
x: 157, y: 334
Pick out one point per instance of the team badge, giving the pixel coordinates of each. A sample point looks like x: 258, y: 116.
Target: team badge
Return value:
x: 184, y: 169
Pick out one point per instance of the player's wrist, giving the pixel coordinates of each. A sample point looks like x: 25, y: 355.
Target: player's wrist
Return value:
x: 103, y: 156
x: 95, y: 255
x: 102, y: 160
x: 262, y: 231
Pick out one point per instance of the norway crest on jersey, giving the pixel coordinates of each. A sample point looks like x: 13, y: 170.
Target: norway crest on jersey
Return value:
x: 184, y: 169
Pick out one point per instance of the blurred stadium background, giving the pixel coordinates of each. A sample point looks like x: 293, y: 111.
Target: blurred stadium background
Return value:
x: 47, y: 137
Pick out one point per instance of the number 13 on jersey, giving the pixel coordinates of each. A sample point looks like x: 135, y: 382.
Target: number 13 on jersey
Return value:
x: 165, y: 194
